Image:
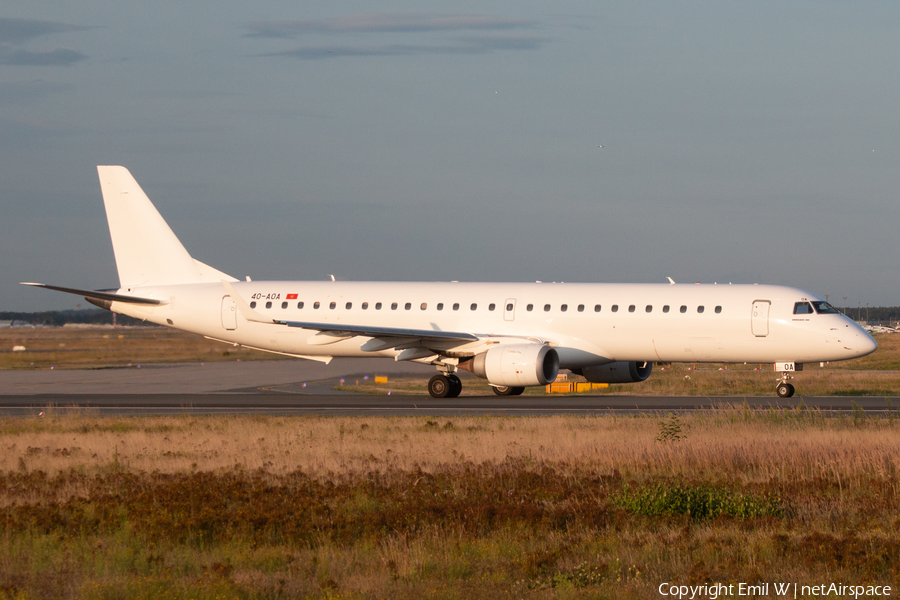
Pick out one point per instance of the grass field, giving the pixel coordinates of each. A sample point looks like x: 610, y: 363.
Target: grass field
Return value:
x: 469, y: 507
x: 105, y: 347
x: 491, y: 507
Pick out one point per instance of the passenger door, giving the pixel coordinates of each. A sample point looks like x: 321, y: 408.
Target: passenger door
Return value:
x: 759, y: 319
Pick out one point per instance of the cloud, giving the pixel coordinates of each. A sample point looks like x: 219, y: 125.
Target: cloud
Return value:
x: 468, y: 45
x: 384, y: 23
x: 60, y: 57
x: 15, y: 32
x: 19, y: 31
x: 489, y: 34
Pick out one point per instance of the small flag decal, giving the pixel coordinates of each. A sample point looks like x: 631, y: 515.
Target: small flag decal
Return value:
x: 292, y: 296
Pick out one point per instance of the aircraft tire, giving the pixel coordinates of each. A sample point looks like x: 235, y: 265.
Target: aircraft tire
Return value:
x: 439, y: 386
x: 507, y: 390
x: 455, y: 386
x: 784, y: 390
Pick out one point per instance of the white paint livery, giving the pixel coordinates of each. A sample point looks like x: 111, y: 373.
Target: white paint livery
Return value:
x: 513, y: 334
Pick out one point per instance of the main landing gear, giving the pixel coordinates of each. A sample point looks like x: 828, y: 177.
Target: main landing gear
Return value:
x: 444, y: 386
x: 507, y: 390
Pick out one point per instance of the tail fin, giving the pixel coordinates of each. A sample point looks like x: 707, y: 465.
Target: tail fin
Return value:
x: 147, y: 250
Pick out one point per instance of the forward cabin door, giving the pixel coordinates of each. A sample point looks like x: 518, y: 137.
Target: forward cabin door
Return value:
x: 229, y: 313
x: 509, y: 310
x: 759, y: 318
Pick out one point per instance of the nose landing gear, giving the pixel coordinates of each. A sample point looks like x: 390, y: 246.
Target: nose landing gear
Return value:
x: 783, y: 388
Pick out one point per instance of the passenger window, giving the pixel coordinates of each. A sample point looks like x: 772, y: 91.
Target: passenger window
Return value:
x: 700, y: 309
x: 316, y: 306
x: 423, y: 306
x: 268, y: 305
x: 332, y: 305
x: 546, y: 308
x: 253, y: 304
x: 408, y: 305
x: 393, y: 306
x: 803, y: 308
x: 615, y: 308
x: 509, y: 306
x: 456, y: 306
x: 299, y: 305
x: 440, y: 306
x: 666, y: 308
x: 378, y: 306
x: 365, y: 305
x: 348, y: 306
x: 631, y: 308
x: 530, y: 307
x: 596, y: 308
x: 581, y: 308
x: 474, y: 306
x: 683, y: 309
x: 718, y: 309
x: 492, y: 306
x: 649, y: 308
x: 564, y: 308
x: 284, y: 305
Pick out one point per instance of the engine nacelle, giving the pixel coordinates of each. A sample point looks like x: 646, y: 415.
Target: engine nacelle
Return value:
x: 617, y: 372
x: 516, y: 365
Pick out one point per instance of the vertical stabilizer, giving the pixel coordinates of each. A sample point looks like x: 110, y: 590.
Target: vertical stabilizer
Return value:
x: 147, y: 250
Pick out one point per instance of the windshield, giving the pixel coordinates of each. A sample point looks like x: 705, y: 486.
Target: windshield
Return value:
x: 823, y: 308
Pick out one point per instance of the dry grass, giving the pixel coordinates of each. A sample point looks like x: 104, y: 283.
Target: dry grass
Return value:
x: 247, y: 507
x: 293, y: 507
x: 731, y: 442
x: 105, y: 347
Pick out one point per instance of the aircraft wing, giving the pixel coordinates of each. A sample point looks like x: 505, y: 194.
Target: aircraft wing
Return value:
x: 381, y: 332
x: 99, y: 295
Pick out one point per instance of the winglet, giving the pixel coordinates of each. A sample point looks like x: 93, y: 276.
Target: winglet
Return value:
x: 671, y: 281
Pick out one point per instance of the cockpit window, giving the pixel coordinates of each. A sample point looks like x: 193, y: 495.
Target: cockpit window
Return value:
x: 803, y: 308
x: 823, y: 308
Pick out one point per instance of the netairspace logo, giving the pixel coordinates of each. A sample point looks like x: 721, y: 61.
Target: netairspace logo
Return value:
x: 713, y: 591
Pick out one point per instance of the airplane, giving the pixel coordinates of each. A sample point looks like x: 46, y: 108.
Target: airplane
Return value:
x: 514, y: 335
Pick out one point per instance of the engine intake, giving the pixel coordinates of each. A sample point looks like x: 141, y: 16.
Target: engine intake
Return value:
x: 617, y: 372
x: 515, y: 365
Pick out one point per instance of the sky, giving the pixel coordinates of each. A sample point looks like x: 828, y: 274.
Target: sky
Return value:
x: 745, y: 142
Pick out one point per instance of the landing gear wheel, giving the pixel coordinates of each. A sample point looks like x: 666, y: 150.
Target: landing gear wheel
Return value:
x: 506, y: 390
x: 455, y: 386
x: 784, y: 390
x: 439, y: 386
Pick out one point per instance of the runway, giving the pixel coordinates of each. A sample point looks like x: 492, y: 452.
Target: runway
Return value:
x: 302, y: 388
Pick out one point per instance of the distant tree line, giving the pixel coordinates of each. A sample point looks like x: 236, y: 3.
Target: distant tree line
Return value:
x: 877, y: 314
x: 58, y: 318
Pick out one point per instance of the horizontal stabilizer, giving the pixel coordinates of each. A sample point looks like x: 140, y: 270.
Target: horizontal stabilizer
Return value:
x: 101, y: 296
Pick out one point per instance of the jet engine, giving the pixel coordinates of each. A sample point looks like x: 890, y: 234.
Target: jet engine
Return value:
x: 616, y: 372
x: 515, y: 365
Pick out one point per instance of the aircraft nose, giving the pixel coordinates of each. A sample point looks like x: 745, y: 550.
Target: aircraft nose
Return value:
x: 868, y: 344
x: 862, y: 343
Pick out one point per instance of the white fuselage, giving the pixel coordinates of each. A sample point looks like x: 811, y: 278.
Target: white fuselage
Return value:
x: 587, y: 324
